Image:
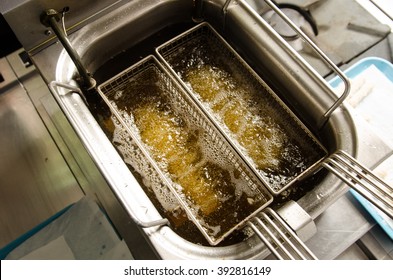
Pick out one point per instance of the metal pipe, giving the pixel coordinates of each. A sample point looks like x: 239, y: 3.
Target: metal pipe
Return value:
x: 50, y: 18
x: 197, y: 11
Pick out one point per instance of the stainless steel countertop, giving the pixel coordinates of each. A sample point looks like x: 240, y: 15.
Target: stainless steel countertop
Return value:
x: 35, y: 180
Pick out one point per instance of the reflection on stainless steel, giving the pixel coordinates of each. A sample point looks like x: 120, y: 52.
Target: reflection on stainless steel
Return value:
x: 35, y: 181
x: 301, y: 85
x: 69, y: 173
x: 366, y: 29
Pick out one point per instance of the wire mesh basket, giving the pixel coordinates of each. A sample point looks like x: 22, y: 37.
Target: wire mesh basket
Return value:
x: 259, y: 125
x: 218, y: 191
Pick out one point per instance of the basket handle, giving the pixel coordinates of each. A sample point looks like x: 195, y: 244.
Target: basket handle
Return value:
x: 323, y: 56
x: 279, y: 237
x: 361, y: 179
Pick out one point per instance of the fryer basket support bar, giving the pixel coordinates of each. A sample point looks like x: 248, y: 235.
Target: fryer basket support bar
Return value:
x: 361, y: 179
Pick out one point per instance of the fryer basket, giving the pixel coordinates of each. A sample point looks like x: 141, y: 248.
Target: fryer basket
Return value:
x: 144, y: 83
x: 299, y: 153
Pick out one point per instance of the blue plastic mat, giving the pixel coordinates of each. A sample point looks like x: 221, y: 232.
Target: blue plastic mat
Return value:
x: 383, y: 65
x: 378, y: 216
x: 12, y: 245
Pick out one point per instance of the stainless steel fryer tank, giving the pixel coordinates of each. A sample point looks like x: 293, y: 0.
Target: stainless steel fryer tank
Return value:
x: 305, y: 92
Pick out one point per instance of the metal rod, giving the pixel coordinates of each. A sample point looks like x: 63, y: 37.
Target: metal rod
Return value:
x: 266, y: 241
x: 279, y: 237
x: 50, y: 18
x: 197, y: 15
x: 296, y: 241
x: 225, y: 7
x: 271, y: 233
x: 347, y: 84
x: 362, y: 179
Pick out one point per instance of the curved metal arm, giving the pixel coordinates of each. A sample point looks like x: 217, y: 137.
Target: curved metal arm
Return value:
x: 347, y: 84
